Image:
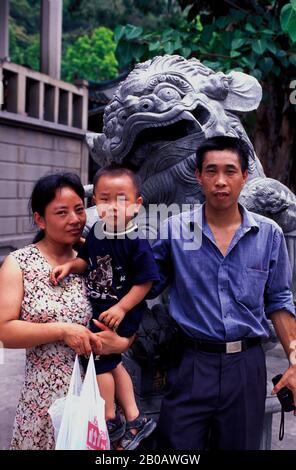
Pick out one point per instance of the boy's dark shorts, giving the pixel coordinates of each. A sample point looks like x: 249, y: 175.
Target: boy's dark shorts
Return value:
x: 103, y: 364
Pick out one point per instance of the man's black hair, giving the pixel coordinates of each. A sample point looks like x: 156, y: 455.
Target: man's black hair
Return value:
x: 235, y: 145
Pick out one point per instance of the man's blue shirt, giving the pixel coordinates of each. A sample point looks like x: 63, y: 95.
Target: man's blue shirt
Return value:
x: 224, y: 298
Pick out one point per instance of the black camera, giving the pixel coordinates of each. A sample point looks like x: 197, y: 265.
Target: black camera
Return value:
x: 285, y: 395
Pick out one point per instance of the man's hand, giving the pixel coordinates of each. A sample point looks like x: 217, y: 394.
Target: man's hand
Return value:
x: 111, y: 343
x: 59, y: 273
x: 113, y: 316
x: 288, y: 380
x: 80, y: 338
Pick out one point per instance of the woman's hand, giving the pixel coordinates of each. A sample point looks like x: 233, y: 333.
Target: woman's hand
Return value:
x: 111, y: 343
x: 79, y: 338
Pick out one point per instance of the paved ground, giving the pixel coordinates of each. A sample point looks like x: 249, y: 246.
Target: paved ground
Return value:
x: 11, y: 376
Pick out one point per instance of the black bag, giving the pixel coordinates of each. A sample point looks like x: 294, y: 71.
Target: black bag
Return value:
x: 158, y: 340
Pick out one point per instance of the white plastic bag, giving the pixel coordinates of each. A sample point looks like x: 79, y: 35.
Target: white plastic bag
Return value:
x: 79, y: 418
x: 56, y: 410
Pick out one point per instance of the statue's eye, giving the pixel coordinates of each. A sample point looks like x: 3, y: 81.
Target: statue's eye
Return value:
x: 122, y: 117
x: 146, y: 105
x: 167, y: 94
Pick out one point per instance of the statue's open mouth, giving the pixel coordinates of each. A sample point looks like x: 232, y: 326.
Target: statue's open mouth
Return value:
x: 155, y: 134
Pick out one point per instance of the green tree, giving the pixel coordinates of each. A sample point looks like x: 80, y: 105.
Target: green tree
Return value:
x: 80, y: 17
x: 24, y: 42
x: 23, y: 49
x: 88, y: 14
x: 91, y: 57
x: 26, y: 14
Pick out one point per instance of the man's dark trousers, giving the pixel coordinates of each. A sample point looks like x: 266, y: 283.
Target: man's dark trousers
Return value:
x: 215, y: 400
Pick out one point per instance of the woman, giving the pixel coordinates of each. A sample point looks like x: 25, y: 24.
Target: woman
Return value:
x: 50, y: 322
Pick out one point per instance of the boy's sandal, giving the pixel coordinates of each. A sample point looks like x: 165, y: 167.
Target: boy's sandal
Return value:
x: 116, y: 428
x: 144, y: 425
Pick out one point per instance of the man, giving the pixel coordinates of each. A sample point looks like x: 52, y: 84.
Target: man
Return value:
x: 222, y: 293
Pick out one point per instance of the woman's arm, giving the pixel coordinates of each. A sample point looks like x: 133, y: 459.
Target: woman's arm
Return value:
x: 16, y: 333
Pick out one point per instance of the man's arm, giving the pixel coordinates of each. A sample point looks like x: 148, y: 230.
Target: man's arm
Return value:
x: 162, y: 254
x: 285, y: 327
x: 279, y: 307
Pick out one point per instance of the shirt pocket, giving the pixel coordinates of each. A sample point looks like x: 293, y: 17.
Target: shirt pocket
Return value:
x: 251, y: 291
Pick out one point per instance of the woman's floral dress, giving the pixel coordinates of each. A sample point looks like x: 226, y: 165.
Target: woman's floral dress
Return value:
x: 49, y: 366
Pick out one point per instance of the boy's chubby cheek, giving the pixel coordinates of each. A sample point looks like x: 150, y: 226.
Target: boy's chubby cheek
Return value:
x: 102, y: 210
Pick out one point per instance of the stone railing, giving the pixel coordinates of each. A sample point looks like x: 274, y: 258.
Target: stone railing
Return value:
x: 37, y: 96
x: 43, y: 122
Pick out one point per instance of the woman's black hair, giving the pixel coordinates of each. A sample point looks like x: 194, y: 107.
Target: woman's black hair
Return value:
x: 45, y: 190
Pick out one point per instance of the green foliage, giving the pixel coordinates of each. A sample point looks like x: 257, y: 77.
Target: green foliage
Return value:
x: 23, y: 49
x: 178, y: 37
x: 80, y: 18
x: 26, y: 14
x: 83, y: 15
x: 24, y: 24
x: 288, y: 19
x: 15, y: 51
x: 260, y: 41
x: 91, y: 57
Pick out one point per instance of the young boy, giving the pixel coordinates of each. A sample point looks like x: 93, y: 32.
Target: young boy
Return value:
x: 120, y: 272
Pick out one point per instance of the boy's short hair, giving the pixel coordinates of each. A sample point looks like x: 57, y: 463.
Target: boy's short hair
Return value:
x: 115, y: 169
x: 233, y: 144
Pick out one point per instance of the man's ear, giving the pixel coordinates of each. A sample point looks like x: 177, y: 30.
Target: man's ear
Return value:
x: 39, y: 220
x: 245, y: 176
x: 140, y: 200
x: 198, y: 175
x: 138, y: 204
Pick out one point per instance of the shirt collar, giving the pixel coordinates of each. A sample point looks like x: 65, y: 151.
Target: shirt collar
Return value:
x: 248, y: 218
x: 131, y: 226
x: 197, y: 216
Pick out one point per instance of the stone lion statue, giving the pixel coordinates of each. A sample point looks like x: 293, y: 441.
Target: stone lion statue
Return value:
x: 162, y: 112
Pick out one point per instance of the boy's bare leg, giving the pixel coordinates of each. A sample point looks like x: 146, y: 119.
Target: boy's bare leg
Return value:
x: 124, y: 391
x: 107, y: 391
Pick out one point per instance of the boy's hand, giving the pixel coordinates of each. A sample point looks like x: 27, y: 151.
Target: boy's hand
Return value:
x: 58, y: 274
x: 113, y: 316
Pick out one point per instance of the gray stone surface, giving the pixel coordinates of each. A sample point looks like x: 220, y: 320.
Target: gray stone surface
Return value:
x: 11, y: 377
